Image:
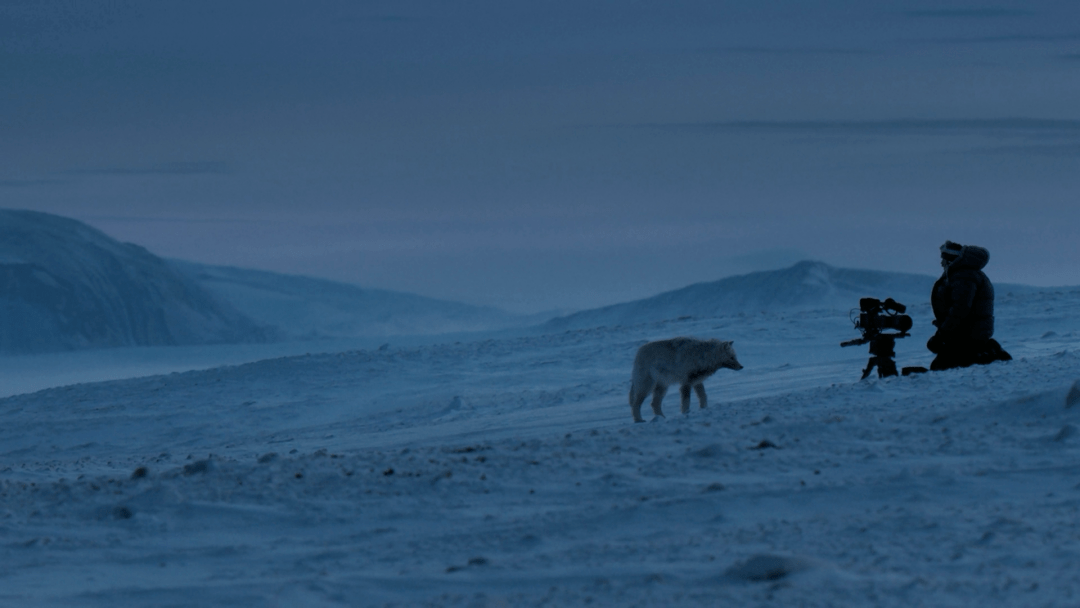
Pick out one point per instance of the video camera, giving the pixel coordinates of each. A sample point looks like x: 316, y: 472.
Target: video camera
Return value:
x: 875, y: 317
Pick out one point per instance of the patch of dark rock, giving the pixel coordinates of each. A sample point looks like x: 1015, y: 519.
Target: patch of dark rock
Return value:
x: 1067, y: 432
x: 766, y: 420
x: 474, y: 562
x: 766, y: 568
x: 710, y: 451
x: 198, y: 467
x: 765, y: 444
x: 1074, y: 395
x: 465, y: 450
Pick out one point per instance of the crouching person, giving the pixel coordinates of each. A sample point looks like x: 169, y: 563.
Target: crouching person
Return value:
x: 963, y: 303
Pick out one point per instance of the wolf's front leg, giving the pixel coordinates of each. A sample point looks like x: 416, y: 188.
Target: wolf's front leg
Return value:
x: 700, y: 390
x: 684, y: 393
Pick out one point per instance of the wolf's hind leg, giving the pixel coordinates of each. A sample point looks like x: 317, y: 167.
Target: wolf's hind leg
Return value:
x: 684, y: 394
x: 637, y: 397
x: 657, y: 397
x: 700, y: 390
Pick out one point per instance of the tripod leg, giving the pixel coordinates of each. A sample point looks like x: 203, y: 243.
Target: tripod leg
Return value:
x: 869, y: 368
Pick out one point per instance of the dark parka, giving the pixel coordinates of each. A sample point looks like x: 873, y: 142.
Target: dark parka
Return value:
x: 963, y: 300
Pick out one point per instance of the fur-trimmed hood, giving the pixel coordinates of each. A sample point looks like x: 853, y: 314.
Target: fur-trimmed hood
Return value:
x: 971, y: 258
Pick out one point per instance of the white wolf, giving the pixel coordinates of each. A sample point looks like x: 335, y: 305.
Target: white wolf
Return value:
x: 684, y: 361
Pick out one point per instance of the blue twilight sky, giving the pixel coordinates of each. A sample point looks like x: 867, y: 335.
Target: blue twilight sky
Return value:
x: 556, y: 153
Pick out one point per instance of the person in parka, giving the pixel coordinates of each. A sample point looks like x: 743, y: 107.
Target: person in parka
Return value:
x: 963, y: 303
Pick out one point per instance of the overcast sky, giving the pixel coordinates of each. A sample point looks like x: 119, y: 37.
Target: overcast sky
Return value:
x: 555, y: 153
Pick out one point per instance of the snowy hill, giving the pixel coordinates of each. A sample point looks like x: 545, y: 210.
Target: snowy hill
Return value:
x: 804, y: 286
x: 65, y: 286
x: 507, y: 471
x: 305, y: 307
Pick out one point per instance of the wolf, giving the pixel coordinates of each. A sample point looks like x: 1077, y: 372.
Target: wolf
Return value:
x: 685, y: 361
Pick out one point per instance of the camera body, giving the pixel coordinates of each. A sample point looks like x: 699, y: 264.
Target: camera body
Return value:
x: 876, y: 316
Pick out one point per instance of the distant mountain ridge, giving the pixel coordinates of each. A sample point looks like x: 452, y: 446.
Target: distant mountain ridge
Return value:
x: 308, y: 308
x: 66, y: 286
x: 805, y: 286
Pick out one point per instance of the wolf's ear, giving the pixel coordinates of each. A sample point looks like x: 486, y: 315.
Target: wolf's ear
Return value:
x: 730, y: 342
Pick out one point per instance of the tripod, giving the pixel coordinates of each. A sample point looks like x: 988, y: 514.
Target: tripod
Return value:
x: 882, y: 351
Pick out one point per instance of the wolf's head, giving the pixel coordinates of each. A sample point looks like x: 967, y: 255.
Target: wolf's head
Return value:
x: 725, y: 354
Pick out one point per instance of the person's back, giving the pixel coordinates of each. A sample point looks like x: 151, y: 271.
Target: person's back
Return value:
x: 963, y: 303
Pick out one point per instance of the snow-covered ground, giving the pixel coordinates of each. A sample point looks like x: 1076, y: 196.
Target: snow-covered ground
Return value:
x: 505, y: 471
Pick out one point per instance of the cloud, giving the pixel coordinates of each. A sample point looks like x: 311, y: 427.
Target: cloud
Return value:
x: 172, y: 168
x: 1008, y: 39
x: 146, y: 219
x: 179, y: 169
x: 880, y: 127
x: 382, y: 19
x: 30, y: 183
x: 1064, y: 150
x: 970, y: 13
x: 1029, y: 137
x: 765, y: 50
